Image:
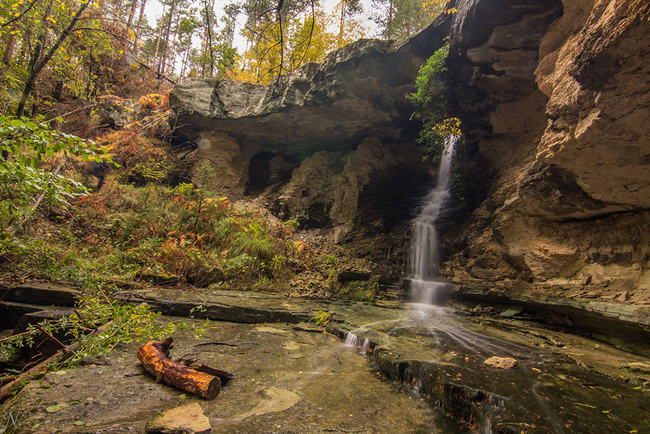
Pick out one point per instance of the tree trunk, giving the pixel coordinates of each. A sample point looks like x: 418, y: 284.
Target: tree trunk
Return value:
x: 139, y: 30
x: 171, y: 62
x: 134, y: 6
x: 389, y: 27
x: 38, y: 59
x: 208, y: 15
x: 186, y: 55
x: 341, y: 29
x: 160, y: 26
x: 6, y: 58
x: 29, y: 85
x: 204, y: 46
x: 155, y: 358
x: 167, y: 32
x: 118, y: 9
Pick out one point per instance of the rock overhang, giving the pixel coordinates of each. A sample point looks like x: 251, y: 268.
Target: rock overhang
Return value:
x: 358, y: 91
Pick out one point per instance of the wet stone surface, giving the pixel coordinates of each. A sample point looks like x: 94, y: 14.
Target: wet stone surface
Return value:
x: 562, y: 383
x: 292, y: 377
x: 286, y: 380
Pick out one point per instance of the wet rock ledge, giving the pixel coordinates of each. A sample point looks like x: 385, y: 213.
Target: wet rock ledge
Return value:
x: 438, y: 355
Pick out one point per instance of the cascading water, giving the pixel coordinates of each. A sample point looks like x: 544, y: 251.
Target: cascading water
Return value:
x: 424, y: 256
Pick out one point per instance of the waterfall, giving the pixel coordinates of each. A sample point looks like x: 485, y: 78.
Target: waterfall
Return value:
x: 352, y: 340
x: 424, y: 255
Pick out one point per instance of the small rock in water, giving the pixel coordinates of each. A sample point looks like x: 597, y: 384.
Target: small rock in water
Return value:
x: 186, y: 419
x: 501, y: 362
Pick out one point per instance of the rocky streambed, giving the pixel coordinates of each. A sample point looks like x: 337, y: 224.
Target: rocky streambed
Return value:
x: 423, y: 371
x: 286, y: 379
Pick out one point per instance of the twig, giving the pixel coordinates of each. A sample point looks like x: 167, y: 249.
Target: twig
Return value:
x: 14, y: 336
x: 49, y: 335
x: 34, y: 206
x: 72, y: 112
x: 40, y: 369
x: 21, y: 15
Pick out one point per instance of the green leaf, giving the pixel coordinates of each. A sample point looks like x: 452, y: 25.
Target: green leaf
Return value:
x: 53, y: 408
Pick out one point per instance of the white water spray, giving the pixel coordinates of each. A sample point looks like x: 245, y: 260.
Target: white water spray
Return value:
x: 424, y: 257
x: 352, y: 340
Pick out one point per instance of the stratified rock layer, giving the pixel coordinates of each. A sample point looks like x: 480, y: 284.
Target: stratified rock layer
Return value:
x: 558, y: 99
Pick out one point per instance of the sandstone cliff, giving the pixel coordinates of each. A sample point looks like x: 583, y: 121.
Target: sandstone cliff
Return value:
x: 558, y: 99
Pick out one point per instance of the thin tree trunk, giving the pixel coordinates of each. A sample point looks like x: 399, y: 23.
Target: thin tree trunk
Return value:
x: 186, y: 58
x: 341, y: 28
x: 160, y: 26
x: 38, y: 57
x: 172, y: 57
x: 118, y: 9
x: 29, y: 85
x: 389, y: 27
x: 134, y: 6
x: 167, y: 32
x: 6, y: 58
x: 208, y: 15
x: 11, y: 41
x: 139, y: 30
x: 204, y: 48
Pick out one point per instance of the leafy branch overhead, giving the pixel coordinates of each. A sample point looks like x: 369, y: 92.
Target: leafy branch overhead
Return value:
x: 25, y: 145
x: 432, y: 102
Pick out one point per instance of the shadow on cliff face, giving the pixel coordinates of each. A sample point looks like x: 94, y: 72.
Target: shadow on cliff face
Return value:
x: 269, y: 168
x: 392, y: 200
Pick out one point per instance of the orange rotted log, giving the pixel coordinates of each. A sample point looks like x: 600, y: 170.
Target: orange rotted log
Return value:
x: 154, y: 356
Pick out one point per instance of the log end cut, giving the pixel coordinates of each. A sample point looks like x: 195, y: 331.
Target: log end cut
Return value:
x: 213, y: 389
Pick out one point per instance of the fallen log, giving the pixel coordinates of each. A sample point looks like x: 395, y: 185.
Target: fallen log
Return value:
x: 154, y: 356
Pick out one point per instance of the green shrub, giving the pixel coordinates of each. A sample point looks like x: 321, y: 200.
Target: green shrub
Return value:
x: 432, y: 103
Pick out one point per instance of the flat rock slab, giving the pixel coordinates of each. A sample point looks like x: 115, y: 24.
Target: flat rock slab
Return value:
x: 186, y: 419
x: 49, y: 314
x: 254, y: 307
x: 45, y: 294
x: 285, y: 380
